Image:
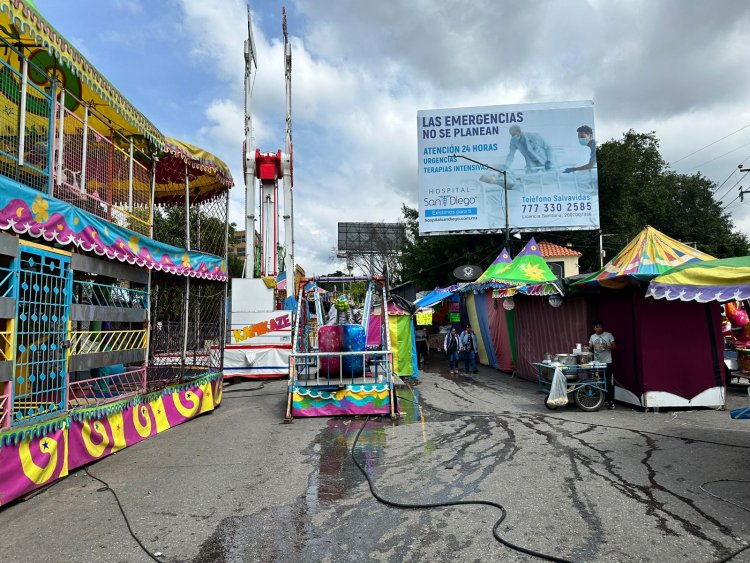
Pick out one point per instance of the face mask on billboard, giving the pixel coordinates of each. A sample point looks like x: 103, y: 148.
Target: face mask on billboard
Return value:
x: 583, y: 140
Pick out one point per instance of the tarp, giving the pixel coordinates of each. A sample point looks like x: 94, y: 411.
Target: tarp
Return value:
x: 500, y: 334
x: 435, y: 296
x: 403, y: 345
x: 25, y: 210
x: 543, y: 329
x: 714, y: 280
x: 476, y: 307
x: 684, y: 365
x: 648, y: 255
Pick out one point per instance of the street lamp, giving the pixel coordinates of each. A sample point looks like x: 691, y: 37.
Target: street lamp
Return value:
x: 601, y: 247
x: 505, y: 189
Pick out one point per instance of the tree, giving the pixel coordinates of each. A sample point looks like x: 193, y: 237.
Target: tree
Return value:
x: 636, y: 188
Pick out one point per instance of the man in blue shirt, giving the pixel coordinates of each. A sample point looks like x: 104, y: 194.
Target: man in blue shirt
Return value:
x: 532, y: 146
x: 586, y: 138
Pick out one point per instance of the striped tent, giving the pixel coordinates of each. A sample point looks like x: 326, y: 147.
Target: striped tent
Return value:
x: 648, y: 255
x: 717, y: 280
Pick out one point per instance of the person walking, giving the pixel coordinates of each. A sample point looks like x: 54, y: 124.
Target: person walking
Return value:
x: 451, y: 346
x: 469, y: 348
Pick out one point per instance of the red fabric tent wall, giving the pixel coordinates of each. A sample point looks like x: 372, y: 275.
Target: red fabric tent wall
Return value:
x: 499, y: 333
x: 541, y: 328
x: 616, y: 311
x: 664, y: 345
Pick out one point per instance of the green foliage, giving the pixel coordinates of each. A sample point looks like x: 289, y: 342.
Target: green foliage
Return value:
x: 635, y: 189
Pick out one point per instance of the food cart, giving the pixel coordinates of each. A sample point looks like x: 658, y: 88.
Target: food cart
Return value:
x: 585, y: 379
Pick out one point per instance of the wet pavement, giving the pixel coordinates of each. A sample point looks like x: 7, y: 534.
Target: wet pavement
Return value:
x: 239, y: 485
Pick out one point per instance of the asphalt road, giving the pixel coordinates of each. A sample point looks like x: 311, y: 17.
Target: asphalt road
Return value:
x: 239, y: 485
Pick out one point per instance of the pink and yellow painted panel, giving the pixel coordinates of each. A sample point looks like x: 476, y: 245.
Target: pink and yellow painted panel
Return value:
x: 36, y: 456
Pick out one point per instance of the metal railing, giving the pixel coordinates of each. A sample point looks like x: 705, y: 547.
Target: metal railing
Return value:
x: 57, y: 144
x: 6, y: 345
x: 5, y: 418
x: 95, y: 341
x: 106, y: 388
x: 7, y: 281
x: 100, y: 172
x: 328, y: 368
x: 26, y: 125
x: 107, y: 295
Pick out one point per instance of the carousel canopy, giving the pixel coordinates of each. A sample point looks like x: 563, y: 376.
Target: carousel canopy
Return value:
x: 712, y: 280
x: 648, y: 255
x: 51, y: 56
x: 207, y: 173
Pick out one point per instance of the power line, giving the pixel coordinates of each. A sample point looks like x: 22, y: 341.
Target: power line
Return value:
x: 718, y: 157
x: 717, y: 188
x: 709, y: 145
x: 730, y: 203
x: 730, y: 188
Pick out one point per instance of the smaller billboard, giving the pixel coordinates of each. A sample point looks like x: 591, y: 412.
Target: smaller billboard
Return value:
x: 540, y: 158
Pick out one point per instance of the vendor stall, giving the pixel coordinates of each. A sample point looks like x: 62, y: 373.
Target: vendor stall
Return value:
x: 669, y: 353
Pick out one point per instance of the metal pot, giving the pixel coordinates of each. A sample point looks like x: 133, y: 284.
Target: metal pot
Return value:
x: 585, y: 358
x: 567, y: 359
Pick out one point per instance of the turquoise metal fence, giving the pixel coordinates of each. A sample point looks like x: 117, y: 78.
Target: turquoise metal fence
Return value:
x: 43, y: 298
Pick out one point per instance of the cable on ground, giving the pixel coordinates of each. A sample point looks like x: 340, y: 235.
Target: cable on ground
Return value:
x: 542, y: 415
x: 106, y: 487
x: 410, y: 506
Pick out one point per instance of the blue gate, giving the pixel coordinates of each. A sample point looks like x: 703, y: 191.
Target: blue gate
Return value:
x: 43, y: 298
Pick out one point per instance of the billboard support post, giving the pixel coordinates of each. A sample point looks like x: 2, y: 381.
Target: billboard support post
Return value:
x: 505, y: 190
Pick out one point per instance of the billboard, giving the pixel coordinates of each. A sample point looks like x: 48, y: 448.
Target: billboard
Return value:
x: 546, y: 151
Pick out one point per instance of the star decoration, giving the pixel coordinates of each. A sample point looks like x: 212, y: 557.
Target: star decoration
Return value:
x: 8, y: 110
x: 45, y: 445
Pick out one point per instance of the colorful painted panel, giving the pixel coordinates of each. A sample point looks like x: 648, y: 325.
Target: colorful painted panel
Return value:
x: 24, y: 210
x: 34, y: 456
x: 32, y: 464
x: 353, y: 400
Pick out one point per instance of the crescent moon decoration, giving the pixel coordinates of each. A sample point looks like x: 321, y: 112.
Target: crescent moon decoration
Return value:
x: 45, y: 62
x: 95, y: 437
x: 40, y: 463
x: 142, y: 421
x: 191, y: 398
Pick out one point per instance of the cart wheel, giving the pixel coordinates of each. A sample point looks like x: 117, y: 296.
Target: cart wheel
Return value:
x: 589, y: 398
x: 546, y: 404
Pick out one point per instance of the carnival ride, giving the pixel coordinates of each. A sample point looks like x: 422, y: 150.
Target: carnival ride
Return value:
x: 340, y: 367
x: 260, y: 335
x: 112, y: 264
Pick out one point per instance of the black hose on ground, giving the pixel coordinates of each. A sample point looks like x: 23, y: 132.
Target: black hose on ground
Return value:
x: 411, y: 506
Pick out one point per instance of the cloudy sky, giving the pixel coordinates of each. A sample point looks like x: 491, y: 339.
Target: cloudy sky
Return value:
x: 362, y: 70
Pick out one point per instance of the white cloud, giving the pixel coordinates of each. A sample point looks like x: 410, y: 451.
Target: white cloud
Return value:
x: 361, y: 72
